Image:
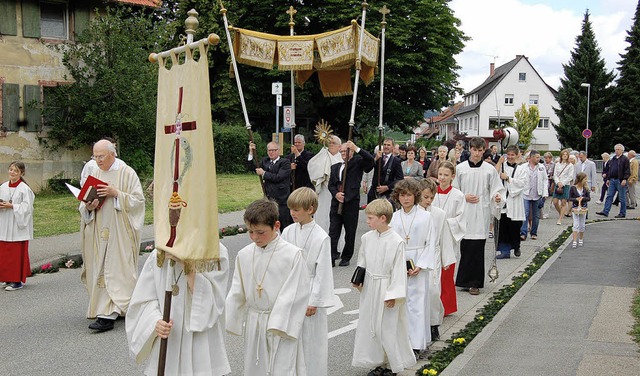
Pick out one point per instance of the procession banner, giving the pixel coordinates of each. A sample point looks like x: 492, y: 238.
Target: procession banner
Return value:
x: 185, y: 198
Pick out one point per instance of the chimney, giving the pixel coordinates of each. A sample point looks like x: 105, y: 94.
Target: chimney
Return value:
x: 492, y: 68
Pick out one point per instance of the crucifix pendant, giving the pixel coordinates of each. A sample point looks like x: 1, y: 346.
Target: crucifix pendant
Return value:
x: 259, y: 288
x: 407, y: 238
x: 175, y: 290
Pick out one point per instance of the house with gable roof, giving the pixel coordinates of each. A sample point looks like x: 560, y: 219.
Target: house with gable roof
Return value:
x: 496, y: 100
x: 28, y: 66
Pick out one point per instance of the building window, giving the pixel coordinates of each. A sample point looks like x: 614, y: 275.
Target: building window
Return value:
x: 543, y: 124
x: 522, y: 76
x: 533, y: 100
x: 475, y: 123
x: 508, y: 99
x: 54, y: 20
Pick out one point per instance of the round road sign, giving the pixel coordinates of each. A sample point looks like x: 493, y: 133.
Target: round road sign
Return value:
x: 586, y: 133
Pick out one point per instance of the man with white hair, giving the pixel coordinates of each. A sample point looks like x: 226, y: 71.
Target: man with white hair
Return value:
x: 588, y: 167
x: 633, y: 179
x: 618, y: 175
x: 111, y: 238
x: 299, y: 158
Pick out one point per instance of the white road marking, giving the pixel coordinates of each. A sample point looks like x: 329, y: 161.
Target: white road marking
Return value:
x: 344, y: 329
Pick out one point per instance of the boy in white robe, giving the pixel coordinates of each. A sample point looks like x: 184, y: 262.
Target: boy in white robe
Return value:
x: 195, y: 332
x: 483, y: 192
x: 316, y: 249
x: 269, y: 296
x: 444, y: 258
x: 381, y: 336
x: 415, y: 226
x: 515, y: 179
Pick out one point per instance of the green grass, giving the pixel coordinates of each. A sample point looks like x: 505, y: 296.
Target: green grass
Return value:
x: 635, y: 311
x: 57, y: 213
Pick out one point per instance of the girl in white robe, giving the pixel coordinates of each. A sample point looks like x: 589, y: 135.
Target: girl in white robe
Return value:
x: 452, y: 201
x: 415, y: 226
x: 307, y: 235
x: 195, y: 343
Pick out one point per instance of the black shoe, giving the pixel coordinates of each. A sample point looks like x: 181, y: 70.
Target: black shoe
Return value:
x: 602, y: 214
x: 435, y: 333
x: 378, y: 371
x: 102, y: 325
x: 333, y: 263
x: 516, y: 252
x: 344, y: 263
x: 620, y: 216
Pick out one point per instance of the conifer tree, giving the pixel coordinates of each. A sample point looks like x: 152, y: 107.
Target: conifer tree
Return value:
x: 585, y: 66
x: 625, y: 127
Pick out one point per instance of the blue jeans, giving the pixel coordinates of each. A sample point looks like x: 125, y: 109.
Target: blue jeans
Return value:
x: 531, y: 206
x: 615, y: 186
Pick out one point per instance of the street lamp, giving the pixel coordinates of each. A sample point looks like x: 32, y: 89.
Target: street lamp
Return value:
x: 586, y: 140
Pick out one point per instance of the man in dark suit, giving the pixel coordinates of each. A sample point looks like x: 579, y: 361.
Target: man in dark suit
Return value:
x: 276, y: 174
x: 299, y: 160
x: 618, y: 175
x: 345, y: 188
x: 389, y: 168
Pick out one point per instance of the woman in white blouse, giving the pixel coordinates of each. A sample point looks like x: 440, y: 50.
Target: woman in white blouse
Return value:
x: 562, y: 177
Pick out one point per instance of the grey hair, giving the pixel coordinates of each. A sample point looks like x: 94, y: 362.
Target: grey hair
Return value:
x: 441, y: 147
x: 582, y: 152
x: 336, y: 139
x: 622, y: 146
x: 112, y: 148
x: 299, y: 137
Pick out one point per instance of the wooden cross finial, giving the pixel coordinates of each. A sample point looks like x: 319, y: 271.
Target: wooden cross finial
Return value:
x: 384, y: 10
x: 291, y: 12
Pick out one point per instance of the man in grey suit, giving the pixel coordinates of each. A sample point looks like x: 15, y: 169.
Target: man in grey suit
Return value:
x: 588, y: 167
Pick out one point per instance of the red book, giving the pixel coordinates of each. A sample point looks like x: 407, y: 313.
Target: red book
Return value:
x: 89, y: 191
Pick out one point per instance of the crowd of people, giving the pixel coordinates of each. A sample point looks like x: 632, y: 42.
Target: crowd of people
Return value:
x: 429, y: 222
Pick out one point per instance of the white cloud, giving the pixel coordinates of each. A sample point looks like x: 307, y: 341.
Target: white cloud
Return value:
x: 545, y: 33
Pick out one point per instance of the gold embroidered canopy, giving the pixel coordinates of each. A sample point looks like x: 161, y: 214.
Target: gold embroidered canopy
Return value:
x: 331, y: 54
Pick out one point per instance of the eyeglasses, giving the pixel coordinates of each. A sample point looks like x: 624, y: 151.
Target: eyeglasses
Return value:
x: 273, y: 149
x: 98, y: 157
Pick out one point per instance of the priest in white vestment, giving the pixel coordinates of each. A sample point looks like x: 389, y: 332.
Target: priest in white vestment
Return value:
x: 111, y: 238
x: 195, y: 345
x: 319, y: 168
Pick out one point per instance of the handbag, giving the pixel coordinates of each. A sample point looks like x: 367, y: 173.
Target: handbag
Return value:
x: 358, y: 276
x: 559, y: 190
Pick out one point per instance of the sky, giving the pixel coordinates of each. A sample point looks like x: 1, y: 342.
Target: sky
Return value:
x: 544, y: 31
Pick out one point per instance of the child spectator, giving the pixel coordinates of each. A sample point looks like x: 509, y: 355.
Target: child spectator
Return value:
x: 306, y: 234
x: 579, y: 196
x: 382, y: 339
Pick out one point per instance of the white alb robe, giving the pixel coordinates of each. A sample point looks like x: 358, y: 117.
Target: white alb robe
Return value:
x: 271, y: 321
x: 17, y: 224
x: 518, y: 182
x: 443, y: 258
x: 196, y: 342
x: 418, y: 225
x: 381, y: 335
x: 484, y: 182
x: 316, y: 249
x: 319, y: 168
x: 111, y: 242
x: 455, y: 226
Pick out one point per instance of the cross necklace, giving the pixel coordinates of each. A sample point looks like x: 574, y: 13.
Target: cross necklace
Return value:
x: 259, y: 287
x: 406, y: 233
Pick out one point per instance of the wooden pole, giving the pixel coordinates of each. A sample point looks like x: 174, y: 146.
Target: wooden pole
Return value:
x: 166, y: 315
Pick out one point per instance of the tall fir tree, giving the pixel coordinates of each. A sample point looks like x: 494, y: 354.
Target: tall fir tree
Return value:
x: 585, y: 66
x: 626, y: 104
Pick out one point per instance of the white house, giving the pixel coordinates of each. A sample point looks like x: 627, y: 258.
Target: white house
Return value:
x: 501, y: 95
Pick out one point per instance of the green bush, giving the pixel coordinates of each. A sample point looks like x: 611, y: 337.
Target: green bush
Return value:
x: 231, y: 144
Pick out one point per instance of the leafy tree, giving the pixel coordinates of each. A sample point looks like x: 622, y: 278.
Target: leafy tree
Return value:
x: 585, y: 66
x: 526, y: 122
x: 420, y: 69
x: 114, y: 87
x: 626, y: 129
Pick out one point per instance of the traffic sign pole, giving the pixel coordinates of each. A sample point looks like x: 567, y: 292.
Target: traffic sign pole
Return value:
x: 276, y: 89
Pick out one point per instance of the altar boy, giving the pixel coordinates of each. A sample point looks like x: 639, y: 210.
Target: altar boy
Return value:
x: 269, y: 296
x: 382, y: 337
x: 306, y: 234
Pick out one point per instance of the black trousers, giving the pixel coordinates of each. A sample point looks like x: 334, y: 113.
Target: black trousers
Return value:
x: 471, y: 269
x: 348, y: 219
x: 284, y: 216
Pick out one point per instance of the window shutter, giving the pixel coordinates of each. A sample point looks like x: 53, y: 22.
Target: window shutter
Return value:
x: 31, y: 19
x: 80, y: 18
x: 10, y: 106
x: 33, y: 115
x: 8, y: 23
